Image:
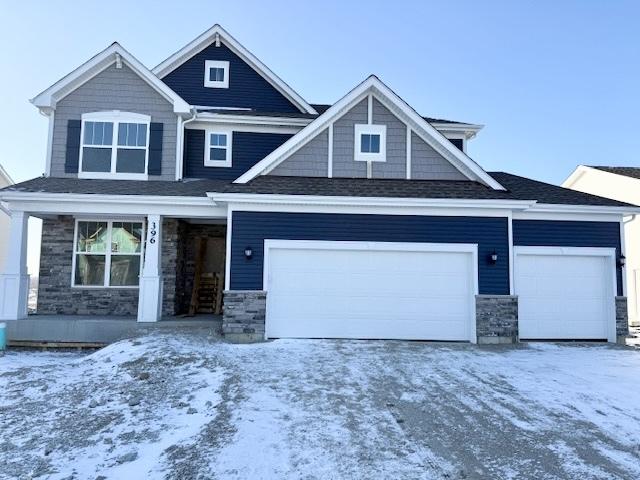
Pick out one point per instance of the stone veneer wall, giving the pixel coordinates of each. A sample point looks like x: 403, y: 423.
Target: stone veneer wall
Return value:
x: 55, y: 295
x: 622, y: 320
x: 244, y: 315
x: 497, y: 318
x: 171, y: 248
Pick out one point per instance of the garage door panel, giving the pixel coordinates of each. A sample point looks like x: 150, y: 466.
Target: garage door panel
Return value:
x: 566, y: 296
x: 369, y: 293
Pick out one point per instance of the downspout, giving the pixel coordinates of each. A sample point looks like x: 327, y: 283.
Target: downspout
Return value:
x: 180, y: 151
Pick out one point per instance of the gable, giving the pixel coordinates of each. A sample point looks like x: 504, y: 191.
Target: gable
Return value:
x: 312, y: 159
x: 114, y: 89
x: 391, y: 113
x: 247, y: 88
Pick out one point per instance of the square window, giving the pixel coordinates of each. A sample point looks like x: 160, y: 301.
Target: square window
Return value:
x: 216, y: 74
x: 370, y: 143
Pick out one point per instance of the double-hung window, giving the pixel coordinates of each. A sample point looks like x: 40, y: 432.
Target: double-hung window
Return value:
x: 217, y: 152
x: 370, y: 143
x: 107, y: 253
x: 114, y: 145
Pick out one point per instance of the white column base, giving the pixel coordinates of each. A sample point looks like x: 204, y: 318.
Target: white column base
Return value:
x: 150, y: 299
x: 14, y: 296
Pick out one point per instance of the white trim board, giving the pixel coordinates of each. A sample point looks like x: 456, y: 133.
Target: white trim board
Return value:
x: 217, y: 34
x: 369, y: 87
x: 114, y: 53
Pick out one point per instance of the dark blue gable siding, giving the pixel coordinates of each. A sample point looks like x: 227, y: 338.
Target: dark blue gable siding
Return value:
x: 252, y: 228
x: 539, y: 233
x: 248, y: 148
x: 247, y: 89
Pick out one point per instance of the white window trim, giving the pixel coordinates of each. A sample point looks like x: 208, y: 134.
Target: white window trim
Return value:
x: 116, y: 117
x: 107, y: 254
x: 208, y: 65
x: 207, y: 147
x: 359, y: 130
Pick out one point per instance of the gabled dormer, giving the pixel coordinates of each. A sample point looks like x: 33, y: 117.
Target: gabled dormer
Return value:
x: 215, y: 71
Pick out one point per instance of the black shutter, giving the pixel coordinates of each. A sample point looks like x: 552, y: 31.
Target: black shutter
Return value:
x: 155, y: 148
x: 72, y: 158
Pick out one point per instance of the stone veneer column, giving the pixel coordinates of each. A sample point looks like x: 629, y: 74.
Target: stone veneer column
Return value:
x: 622, y: 320
x: 496, y: 319
x: 244, y: 315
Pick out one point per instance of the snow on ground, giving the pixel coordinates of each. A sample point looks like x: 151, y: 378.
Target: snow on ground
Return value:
x: 180, y: 405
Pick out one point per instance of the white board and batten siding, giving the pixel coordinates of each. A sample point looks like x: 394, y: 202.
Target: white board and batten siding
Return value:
x: 372, y: 290
x: 565, y: 293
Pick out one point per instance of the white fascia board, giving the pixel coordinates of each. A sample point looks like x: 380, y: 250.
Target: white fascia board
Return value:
x: 49, y: 97
x: 253, y: 119
x: 272, y: 199
x: 206, y: 39
x: 65, y: 203
x: 592, y: 209
x: 419, y: 125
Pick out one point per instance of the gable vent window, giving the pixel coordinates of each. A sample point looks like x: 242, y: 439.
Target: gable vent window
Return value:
x: 370, y: 143
x: 218, y: 149
x: 114, y: 145
x: 216, y: 74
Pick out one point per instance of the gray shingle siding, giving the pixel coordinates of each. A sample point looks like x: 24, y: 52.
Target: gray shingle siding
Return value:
x: 115, y: 89
x: 427, y: 164
x: 312, y: 160
x: 343, y: 132
x: 396, y: 164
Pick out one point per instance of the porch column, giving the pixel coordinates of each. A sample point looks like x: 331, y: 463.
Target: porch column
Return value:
x: 150, y: 297
x: 14, y: 281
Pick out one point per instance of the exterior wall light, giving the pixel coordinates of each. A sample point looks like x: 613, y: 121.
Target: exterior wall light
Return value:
x: 622, y: 260
x: 248, y: 253
x: 493, y: 258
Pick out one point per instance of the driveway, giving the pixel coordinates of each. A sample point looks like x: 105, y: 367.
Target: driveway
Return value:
x: 182, y: 405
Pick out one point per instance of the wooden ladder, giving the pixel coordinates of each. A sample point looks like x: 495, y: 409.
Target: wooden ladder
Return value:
x: 206, y: 296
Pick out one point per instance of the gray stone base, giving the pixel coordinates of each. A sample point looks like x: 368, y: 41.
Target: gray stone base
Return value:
x: 622, y: 320
x: 496, y: 319
x: 244, y: 315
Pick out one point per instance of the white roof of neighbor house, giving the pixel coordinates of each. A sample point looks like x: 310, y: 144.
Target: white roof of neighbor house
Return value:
x: 6, y: 179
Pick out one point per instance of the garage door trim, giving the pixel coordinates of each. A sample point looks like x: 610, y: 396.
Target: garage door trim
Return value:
x: 469, y: 248
x: 608, y: 253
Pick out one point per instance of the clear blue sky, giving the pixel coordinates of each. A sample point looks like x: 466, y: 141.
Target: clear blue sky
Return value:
x: 555, y: 82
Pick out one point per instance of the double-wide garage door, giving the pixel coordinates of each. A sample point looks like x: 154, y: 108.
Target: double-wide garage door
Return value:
x: 326, y: 289
x: 565, y: 293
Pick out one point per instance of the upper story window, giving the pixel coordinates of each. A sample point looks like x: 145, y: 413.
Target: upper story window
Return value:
x: 216, y: 74
x: 370, y: 143
x: 217, y: 152
x: 114, y: 145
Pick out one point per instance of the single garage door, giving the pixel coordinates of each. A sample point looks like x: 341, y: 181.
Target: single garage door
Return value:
x: 565, y: 293
x: 318, y: 289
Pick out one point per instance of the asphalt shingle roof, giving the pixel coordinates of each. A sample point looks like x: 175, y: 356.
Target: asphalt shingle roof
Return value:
x: 633, y: 172
x: 518, y: 188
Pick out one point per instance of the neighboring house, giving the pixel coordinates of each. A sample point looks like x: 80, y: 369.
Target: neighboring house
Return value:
x: 623, y: 184
x: 360, y: 219
x: 5, y: 181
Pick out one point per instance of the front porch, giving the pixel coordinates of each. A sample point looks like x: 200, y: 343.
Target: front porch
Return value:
x: 100, y: 329
x: 103, y: 277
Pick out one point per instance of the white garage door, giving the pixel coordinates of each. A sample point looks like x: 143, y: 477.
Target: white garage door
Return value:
x: 319, y: 289
x: 565, y: 293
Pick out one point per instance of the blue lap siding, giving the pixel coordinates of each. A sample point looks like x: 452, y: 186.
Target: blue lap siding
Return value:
x: 569, y: 234
x: 247, y: 88
x: 252, y: 228
x: 248, y: 148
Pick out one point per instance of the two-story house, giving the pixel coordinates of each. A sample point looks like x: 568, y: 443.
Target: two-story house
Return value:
x: 360, y: 219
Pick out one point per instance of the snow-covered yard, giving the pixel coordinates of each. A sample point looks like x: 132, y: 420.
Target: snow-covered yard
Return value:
x: 182, y: 406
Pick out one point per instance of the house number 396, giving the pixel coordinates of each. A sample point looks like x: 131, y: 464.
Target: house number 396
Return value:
x: 152, y: 233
